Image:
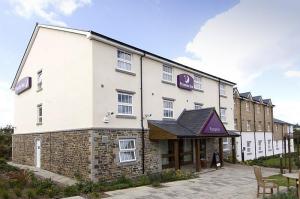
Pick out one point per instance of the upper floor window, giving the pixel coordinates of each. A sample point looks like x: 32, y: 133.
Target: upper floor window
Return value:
x: 276, y: 127
x: 167, y: 73
x: 124, y: 61
x: 223, y: 114
x: 168, y: 108
x: 260, y: 126
x: 222, y: 89
x: 39, y: 114
x: 268, y: 127
x: 124, y: 103
x: 127, y: 150
x: 198, y: 106
x: 235, y: 124
x: 248, y: 125
x: 197, y: 83
x: 247, y: 106
x: 268, y: 111
x: 39, y: 80
x: 258, y: 109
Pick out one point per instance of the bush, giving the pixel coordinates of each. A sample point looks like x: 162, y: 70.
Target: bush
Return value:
x: 71, y: 191
x: 4, y: 194
x: 18, y: 192
x: 6, y: 142
x: 31, y: 194
x: 156, y: 184
x: 291, y: 194
x: 4, y: 167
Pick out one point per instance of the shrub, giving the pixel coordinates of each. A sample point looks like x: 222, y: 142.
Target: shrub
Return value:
x: 291, y: 194
x: 4, y: 194
x: 18, y: 192
x: 142, y: 180
x: 4, y: 167
x: 31, y: 194
x: 71, y: 191
x: 156, y: 184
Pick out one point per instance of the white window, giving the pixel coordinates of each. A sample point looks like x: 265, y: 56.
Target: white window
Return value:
x: 223, y: 114
x: 168, y: 108
x: 226, y: 145
x: 235, y: 124
x: 167, y: 73
x: 248, y: 125
x: 247, y: 107
x: 276, y: 144
x: 259, y: 126
x: 39, y: 80
x: 197, y: 83
x: 259, y: 146
x: 249, y: 147
x: 39, y: 114
x: 258, y: 109
x: 222, y: 89
x: 268, y: 127
x: 127, y: 150
x: 198, y: 106
x: 124, y: 61
x: 269, y: 145
x: 124, y: 103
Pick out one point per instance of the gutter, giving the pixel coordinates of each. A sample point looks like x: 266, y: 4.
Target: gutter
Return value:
x: 142, y: 114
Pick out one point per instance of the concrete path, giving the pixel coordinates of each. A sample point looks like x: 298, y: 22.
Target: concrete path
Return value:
x: 233, y: 181
x: 47, y: 174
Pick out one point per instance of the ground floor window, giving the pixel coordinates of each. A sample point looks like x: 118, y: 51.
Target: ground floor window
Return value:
x: 127, y: 150
x: 277, y: 146
x: 259, y: 146
x: 269, y: 145
x: 248, y: 148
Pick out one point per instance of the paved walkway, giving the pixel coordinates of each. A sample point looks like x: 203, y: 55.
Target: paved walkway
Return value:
x: 47, y: 174
x: 233, y: 181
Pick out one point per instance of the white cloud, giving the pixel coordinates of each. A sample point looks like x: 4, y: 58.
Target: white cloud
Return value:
x: 6, y: 104
x: 287, y: 110
x: 49, y: 10
x: 249, y: 39
x: 292, y: 73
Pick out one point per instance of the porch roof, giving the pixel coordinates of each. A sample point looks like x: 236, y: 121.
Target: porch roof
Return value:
x: 190, y: 124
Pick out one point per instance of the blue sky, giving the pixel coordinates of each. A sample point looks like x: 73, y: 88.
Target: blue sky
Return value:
x: 251, y: 42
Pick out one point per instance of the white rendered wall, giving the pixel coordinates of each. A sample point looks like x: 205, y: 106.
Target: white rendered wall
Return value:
x: 248, y: 136
x: 66, y: 97
x: 269, y: 151
x: 260, y: 137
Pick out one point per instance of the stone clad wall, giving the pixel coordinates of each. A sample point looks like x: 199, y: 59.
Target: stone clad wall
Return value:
x: 66, y: 153
x: 105, y: 156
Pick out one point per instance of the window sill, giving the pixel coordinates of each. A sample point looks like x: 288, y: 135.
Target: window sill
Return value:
x: 126, y: 116
x: 224, y: 122
x: 39, y: 89
x: 270, y: 150
x: 39, y: 124
x: 260, y: 151
x: 167, y: 82
x: 125, y: 72
x: 128, y: 163
x: 168, y: 118
x: 199, y: 90
x: 223, y: 96
x: 249, y: 153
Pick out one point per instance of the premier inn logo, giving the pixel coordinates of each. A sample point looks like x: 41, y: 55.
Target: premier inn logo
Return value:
x: 23, y: 85
x: 185, y: 81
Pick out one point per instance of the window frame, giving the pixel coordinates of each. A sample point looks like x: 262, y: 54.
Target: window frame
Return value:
x: 248, y: 147
x: 167, y: 73
x: 168, y: 109
x: 222, y: 89
x: 39, y: 114
x: 127, y: 150
x: 124, y: 103
x: 259, y: 143
x: 223, y: 117
x: 39, y: 80
x: 124, y: 60
x: 247, y: 106
x: 269, y: 145
x: 248, y: 122
x: 198, y: 82
x: 198, y: 104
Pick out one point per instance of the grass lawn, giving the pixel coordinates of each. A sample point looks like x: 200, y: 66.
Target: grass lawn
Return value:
x: 282, y: 181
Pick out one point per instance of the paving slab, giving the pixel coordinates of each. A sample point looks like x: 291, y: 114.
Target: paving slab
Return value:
x: 232, y: 181
x: 63, y: 180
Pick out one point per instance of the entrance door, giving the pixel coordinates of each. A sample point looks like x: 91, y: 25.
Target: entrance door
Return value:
x: 38, y: 153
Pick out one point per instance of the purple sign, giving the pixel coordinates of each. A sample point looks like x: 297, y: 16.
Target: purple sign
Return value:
x: 23, y: 85
x: 185, y: 81
x: 214, y: 125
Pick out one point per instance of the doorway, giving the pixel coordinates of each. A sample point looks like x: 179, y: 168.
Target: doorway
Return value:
x: 38, y: 154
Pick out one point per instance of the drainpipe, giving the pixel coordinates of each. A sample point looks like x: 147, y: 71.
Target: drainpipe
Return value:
x: 241, y: 129
x: 219, y: 98
x: 272, y: 130
x: 142, y: 114
x: 254, y: 129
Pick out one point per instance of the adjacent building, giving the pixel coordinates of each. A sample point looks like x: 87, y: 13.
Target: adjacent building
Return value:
x: 89, y: 105
x: 261, y: 134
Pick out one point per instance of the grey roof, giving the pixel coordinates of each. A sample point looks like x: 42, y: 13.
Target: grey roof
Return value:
x: 245, y: 95
x: 189, y: 123
x: 280, y: 121
x: 257, y: 98
x: 267, y: 101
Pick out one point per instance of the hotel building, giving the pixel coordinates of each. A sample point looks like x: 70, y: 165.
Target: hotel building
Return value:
x: 261, y: 134
x: 90, y: 105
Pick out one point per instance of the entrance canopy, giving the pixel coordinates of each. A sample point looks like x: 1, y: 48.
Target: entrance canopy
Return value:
x: 190, y: 124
